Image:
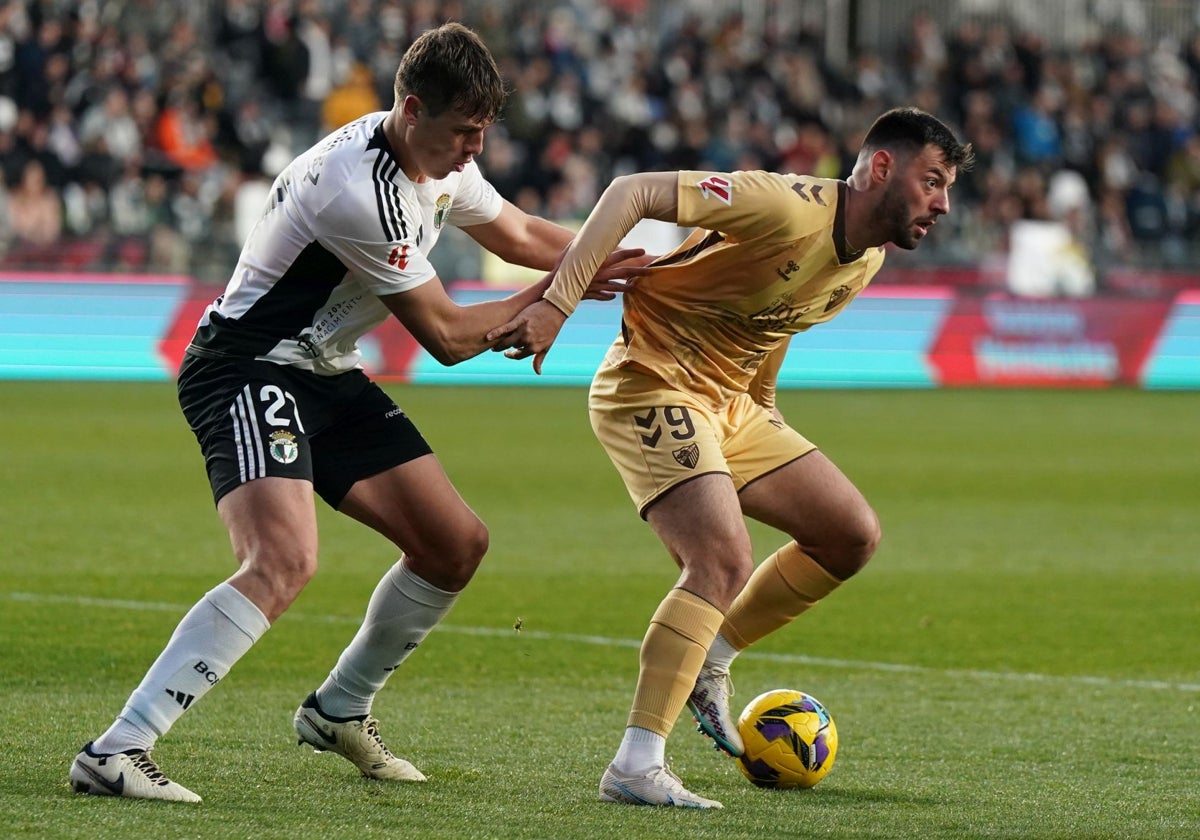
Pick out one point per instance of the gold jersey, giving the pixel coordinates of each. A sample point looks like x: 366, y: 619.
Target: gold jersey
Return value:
x: 768, y: 259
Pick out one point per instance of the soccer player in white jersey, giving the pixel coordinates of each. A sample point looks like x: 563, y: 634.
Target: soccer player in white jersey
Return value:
x: 273, y: 389
x: 684, y: 404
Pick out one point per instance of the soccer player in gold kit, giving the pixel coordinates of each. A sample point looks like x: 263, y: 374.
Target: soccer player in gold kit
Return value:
x: 684, y: 404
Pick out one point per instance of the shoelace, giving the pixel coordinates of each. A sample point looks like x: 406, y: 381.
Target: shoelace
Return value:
x: 144, y: 763
x: 728, y: 680
x: 372, y: 726
x: 724, y: 682
x: 672, y: 781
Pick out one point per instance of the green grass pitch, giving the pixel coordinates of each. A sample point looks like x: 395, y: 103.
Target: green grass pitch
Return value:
x: 1020, y: 660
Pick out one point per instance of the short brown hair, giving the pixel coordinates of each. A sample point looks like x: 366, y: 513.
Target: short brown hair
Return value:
x: 451, y: 68
x: 909, y: 130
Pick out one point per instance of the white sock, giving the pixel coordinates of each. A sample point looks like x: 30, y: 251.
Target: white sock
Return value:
x: 402, y: 611
x: 214, y: 634
x: 641, y: 750
x: 720, y: 654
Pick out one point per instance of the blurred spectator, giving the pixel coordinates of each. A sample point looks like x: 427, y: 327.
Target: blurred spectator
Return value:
x: 6, y: 232
x: 1035, y: 128
x: 62, y: 138
x: 35, y: 208
x: 109, y: 127
x: 184, y: 134
x: 1113, y: 236
x: 313, y: 31
x: 33, y: 143
x: 85, y: 209
x: 285, y: 63
x: 133, y: 104
x: 1183, y: 184
x: 812, y: 153
x: 40, y: 66
x: 128, y: 206
x: 351, y: 99
x: 504, y: 162
x: 168, y: 249
x: 927, y: 53
x: 246, y: 135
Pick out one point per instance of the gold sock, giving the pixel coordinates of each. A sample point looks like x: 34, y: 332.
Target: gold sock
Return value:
x: 680, y: 632
x: 783, y: 586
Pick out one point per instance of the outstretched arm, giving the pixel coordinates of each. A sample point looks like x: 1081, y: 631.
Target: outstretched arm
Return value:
x: 450, y: 332
x: 521, y: 239
x: 453, y: 333
x: 629, y: 199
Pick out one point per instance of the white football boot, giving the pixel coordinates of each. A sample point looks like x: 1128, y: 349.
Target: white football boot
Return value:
x: 132, y: 773
x: 709, y: 702
x: 355, y: 739
x: 659, y: 786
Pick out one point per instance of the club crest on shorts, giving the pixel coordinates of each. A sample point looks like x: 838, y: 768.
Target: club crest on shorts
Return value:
x: 688, y: 456
x: 282, y: 446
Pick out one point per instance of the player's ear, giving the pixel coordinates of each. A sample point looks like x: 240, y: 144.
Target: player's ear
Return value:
x: 411, y: 109
x: 883, y: 163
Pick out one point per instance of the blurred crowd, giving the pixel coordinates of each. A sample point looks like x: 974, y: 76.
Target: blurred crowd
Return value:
x: 132, y: 130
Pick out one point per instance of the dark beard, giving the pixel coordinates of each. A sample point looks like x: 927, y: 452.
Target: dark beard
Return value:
x: 892, y: 215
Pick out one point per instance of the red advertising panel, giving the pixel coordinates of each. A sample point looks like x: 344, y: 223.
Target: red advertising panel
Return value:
x: 1001, y: 340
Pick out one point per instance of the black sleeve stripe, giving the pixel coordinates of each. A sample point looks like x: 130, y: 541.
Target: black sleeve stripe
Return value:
x: 380, y: 159
x: 387, y: 197
x: 394, y: 199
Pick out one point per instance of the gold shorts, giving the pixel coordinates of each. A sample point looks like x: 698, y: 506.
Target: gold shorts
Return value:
x: 658, y: 436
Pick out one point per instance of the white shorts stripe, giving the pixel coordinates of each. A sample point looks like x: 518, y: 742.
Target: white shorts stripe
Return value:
x: 249, y: 466
x: 256, y: 438
x: 238, y: 443
x: 245, y: 408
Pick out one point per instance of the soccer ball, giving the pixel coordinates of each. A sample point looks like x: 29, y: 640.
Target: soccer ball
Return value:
x: 790, y: 740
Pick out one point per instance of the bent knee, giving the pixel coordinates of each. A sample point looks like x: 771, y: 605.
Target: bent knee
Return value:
x: 450, y: 561
x: 845, y: 550
x: 278, y: 577
x: 281, y: 563
x: 868, y: 533
x: 717, y: 576
x: 473, y: 544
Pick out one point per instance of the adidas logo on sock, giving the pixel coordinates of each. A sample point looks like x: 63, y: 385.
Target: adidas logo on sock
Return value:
x: 182, y: 697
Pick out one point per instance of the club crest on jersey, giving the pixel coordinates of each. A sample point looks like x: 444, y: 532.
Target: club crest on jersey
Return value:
x: 714, y: 186
x: 441, y: 210
x: 837, y: 296
x: 282, y: 446
x: 688, y: 457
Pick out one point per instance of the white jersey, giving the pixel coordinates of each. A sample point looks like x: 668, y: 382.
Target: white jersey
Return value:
x: 343, y: 225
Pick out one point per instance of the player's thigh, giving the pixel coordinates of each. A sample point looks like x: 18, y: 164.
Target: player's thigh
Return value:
x: 415, y: 505
x: 785, y: 482
x: 247, y: 419
x: 369, y: 436
x: 656, y: 437
x: 811, y: 500
x: 272, y: 526
x: 374, y: 465
x: 700, y: 522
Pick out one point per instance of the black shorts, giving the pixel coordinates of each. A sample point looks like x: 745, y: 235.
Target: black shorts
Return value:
x: 254, y: 419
